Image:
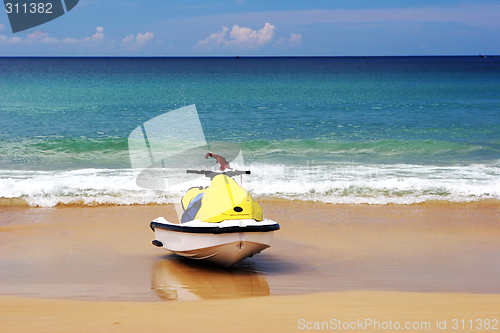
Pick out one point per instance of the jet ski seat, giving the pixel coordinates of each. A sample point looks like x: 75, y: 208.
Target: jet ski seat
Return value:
x: 223, y: 200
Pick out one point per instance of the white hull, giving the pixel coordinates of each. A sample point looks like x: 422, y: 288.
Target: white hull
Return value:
x: 225, y: 243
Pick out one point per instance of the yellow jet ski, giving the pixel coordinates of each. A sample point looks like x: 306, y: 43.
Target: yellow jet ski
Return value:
x: 220, y: 223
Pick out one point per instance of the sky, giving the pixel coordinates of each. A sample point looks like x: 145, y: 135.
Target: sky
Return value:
x: 262, y: 28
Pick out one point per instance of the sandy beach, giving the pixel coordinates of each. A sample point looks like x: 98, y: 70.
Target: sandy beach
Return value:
x: 93, y: 269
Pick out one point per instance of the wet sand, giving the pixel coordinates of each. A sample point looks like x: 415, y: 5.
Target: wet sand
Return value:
x: 424, y: 311
x: 427, y: 261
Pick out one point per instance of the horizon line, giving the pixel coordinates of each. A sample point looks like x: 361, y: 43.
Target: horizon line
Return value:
x: 247, y: 56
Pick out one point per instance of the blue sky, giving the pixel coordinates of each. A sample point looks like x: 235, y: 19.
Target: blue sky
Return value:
x: 258, y: 27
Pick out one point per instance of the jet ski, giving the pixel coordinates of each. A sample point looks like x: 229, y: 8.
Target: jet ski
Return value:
x: 220, y: 223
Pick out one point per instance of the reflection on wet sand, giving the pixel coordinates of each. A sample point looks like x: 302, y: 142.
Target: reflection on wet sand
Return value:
x: 180, y: 279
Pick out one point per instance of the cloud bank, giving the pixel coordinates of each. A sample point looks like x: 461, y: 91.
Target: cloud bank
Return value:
x: 43, y: 37
x: 131, y: 42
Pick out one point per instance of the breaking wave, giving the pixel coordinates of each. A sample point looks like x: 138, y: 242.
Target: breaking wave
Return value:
x: 346, y: 183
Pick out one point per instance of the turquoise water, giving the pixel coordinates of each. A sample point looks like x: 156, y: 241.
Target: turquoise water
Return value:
x: 373, y: 130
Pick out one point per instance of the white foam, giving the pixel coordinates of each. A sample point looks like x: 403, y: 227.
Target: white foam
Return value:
x: 48, y: 188
x: 334, y: 183
x: 377, y: 184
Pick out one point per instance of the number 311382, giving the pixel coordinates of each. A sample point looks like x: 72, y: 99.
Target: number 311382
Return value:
x: 32, y: 8
x: 478, y: 324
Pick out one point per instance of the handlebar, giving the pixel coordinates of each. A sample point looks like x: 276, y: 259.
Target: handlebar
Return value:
x: 211, y: 174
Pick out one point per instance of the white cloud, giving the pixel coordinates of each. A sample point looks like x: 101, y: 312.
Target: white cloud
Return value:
x: 98, y: 36
x: 50, y: 40
x: 247, y: 35
x: 15, y: 40
x: 240, y: 36
x: 217, y: 38
x: 37, y: 35
x: 43, y: 37
x: 129, y: 38
x: 295, y: 38
x: 134, y: 42
x: 143, y: 39
x: 70, y: 40
x: 2, y: 27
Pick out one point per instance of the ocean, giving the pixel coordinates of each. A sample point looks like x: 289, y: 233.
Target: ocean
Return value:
x: 373, y: 130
